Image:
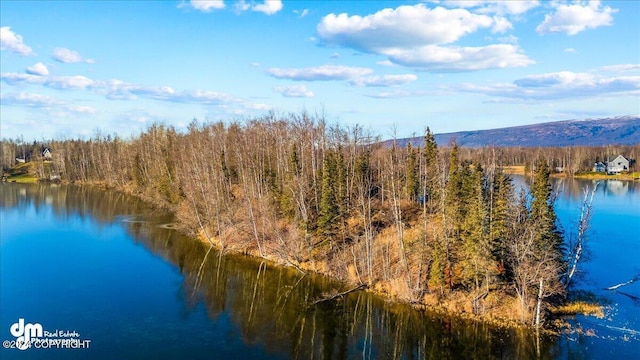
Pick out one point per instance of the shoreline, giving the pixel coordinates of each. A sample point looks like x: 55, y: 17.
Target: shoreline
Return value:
x: 520, y: 170
x: 443, y: 305
x: 557, y: 323
x: 440, y: 310
x: 454, y: 303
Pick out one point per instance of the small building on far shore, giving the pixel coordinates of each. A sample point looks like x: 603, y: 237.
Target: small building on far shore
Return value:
x: 599, y: 167
x: 46, y: 154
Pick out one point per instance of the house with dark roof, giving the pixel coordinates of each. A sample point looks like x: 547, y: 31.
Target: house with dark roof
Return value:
x: 46, y: 154
x: 599, y: 167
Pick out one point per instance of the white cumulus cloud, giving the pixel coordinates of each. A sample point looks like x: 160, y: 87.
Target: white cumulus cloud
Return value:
x: 120, y: 90
x: 38, y: 69
x: 294, y: 91
x: 81, y: 109
x: 560, y: 85
x: 69, y: 82
x: 117, y: 90
x: 621, y: 68
x: 320, y: 73
x: 396, y: 94
x: 500, y: 7
x: 561, y: 78
x: 384, y: 80
x: 501, y: 25
x: 29, y: 100
x: 269, y: 7
x: 420, y: 37
x: 13, y: 42
x: 457, y: 59
x: 204, y: 5
x: 74, y: 82
x: 404, y: 26
x: 205, y: 97
x: 18, y: 78
x: 385, y: 63
x: 574, y: 18
x: 67, y: 56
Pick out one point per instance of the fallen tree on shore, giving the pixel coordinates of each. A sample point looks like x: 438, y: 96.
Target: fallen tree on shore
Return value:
x: 340, y: 294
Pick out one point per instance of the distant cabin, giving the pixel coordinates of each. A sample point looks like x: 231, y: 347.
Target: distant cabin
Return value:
x: 46, y: 154
x: 617, y: 165
x: 599, y: 167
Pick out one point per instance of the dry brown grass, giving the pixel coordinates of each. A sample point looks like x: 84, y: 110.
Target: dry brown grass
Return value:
x: 315, y: 266
x: 514, y: 170
x: 579, y: 307
x: 283, y: 243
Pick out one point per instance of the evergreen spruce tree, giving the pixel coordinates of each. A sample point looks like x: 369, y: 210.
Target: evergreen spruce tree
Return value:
x: 542, y: 212
x: 453, y: 192
x: 287, y: 203
x: 502, y: 197
x: 413, y: 183
x: 437, y: 271
x: 329, y: 210
x: 363, y: 168
x: 430, y: 155
x: 476, y: 248
x: 341, y: 184
x: 294, y: 161
x: 452, y: 215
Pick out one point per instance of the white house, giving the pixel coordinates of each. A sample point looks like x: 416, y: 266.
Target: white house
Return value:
x: 617, y: 165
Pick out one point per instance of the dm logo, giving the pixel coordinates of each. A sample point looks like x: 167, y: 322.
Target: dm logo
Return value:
x: 24, y: 333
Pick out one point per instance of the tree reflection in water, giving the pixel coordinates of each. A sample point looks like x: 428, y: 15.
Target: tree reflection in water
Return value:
x: 271, y: 305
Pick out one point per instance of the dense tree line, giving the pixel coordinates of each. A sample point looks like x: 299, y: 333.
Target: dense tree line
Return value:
x: 568, y: 159
x: 426, y: 224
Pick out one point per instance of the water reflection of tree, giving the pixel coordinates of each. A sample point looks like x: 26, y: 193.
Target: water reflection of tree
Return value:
x: 270, y: 305
x: 67, y: 201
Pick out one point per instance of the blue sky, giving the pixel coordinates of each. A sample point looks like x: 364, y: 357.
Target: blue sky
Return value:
x: 69, y: 69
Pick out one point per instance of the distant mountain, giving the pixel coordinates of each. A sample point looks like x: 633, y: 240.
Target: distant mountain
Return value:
x: 624, y: 130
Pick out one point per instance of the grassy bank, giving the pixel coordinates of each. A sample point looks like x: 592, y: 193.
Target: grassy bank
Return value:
x: 22, y: 173
x: 579, y: 307
x: 633, y: 176
x: 589, y: 175
x: 514, y: 170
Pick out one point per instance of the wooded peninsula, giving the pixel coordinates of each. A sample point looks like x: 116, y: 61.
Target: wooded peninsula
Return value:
x: 439, y: 226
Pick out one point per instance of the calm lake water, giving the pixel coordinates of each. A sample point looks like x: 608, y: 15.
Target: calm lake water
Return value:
x: 103, y: 267
x: 613, y: 257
